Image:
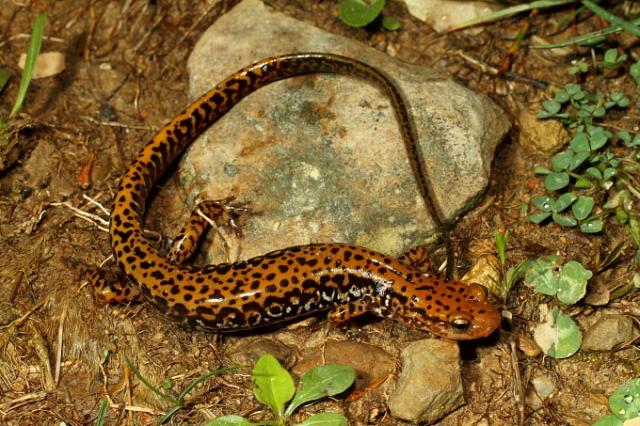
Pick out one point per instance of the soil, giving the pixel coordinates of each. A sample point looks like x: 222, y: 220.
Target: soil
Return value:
x: 62, y: 352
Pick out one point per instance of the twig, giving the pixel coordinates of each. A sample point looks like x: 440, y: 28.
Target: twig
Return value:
x: 517, y: 383
x: 63, y: 316
x: 116, y: 124
x: 97, y: 204
x: 99, y: 222
x: 198, y: 21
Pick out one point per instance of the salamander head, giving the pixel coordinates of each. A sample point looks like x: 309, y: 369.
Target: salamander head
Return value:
x: 450, y: 309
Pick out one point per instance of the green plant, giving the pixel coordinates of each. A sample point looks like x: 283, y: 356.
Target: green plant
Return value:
x: 35, y: 42
x: 358, y: 13
x: 597, y: 164
x: 624, y: 403
x: 179, y: 400
x: 547, y: 275
x: 274, y: 387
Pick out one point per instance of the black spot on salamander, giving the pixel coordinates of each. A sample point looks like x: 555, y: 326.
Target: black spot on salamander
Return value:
x: 204, y: 310
x: 307, y: 284
x: 271, y: 288
x: 312, y: 262
x: 160, y: 302
x: 358, y: 257
x: 338, y: 279
x: 180, y: 309
x: 175, y: 290
x: 139, y: 253
x: 301, y: 260
x: 284, y: 283
x: 282, y: 268
x: 223, y: 268
x: 204, y: 289
x: 270, y: 276
x: 239, y: 265
x: 187, y: 297
x: 334, y: 250
x: 217, y: 98
x: 255, y: 285
x: 189, y: 288
x: 327, y: 260
x: 199, y: 280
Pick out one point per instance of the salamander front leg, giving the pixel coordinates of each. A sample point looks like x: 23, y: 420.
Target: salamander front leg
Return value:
x: 110, y: 288
x: 220, y: 212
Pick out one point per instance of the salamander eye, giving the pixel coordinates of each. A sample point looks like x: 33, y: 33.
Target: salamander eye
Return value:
x: 460, y: 324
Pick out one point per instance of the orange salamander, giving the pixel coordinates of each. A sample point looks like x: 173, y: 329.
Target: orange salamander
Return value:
x: 285, y: 284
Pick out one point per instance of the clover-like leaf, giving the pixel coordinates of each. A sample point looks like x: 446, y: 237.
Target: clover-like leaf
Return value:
x: 564, y: 201
x: 358, y: 13
x: 582, y: 207
x: 559, y: 336
x: 556, y: 181
x: 572, y: 282
x: 564, y: 220
x: 624, y: 402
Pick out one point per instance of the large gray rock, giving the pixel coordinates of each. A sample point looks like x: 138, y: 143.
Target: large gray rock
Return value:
x: 320, y: 157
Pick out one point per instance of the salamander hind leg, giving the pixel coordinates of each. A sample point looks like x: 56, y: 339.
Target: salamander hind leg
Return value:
x: 345, y: 312
x: 109, y: 288
x: 221, y: 212
x: 417, y: 258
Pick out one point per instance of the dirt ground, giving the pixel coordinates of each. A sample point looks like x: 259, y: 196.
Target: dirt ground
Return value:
x: 62, y: 352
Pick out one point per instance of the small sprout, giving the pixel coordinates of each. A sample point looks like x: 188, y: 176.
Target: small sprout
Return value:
x: 273, y: 386
x: 390, y: 23
x: 501, y: 237
x: 578, y: 66
x: 611, y: 58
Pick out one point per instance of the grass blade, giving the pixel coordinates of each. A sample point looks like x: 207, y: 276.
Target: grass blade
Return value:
x: 4, y: 77
x: 611, y: 18
x: 509, y: 11
x: 585, y: 39
x: 32, y: 54
x: 102, y: 413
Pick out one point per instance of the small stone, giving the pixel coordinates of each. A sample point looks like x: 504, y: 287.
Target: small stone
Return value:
x: 608, y: 332
x: 543, y: 387
x: 528, y: 346
x: 429, y: 386
x: 486, y: 272
x: 371, y: 363
x: 442, y: 15
x: 247, y: 352
x: 544, y: 136
x: 47, y: 64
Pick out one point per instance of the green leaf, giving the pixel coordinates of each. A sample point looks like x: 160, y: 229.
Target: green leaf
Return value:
x: 608, y: 173
x: 625, y: 401
x: 609, y: 421
x: 634, y: 71
x: 572, y: 282
x: 543, y: 203
x: 562, y: 160
x: 552, y: 107
x: 580, y: 142
x: 357, y: 13
x: 594, y: 173
x: 538, y: 217
x: 272, y: 384
x: 610, y: 56
x: 325, y: 419
x: 583, y: 183
x: 500, y: 239
x: 561, y: 96
x: 563, y: 220
x: 582, y: 207
x: 578, y: 159
x: 390, y: 23
x: 556, y: 181
x: 598, y: 140
x: 541, y: 170
x: 229, y: 421
x: 572, y: 88
x: 319, y: 382
x: 559, y: 336
x: 32, y: 54
x: 564, y: 201
x: 592, y: 226
x: 542, y: 276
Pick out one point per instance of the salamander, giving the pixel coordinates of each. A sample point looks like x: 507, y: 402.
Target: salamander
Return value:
x: 284, y: 284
